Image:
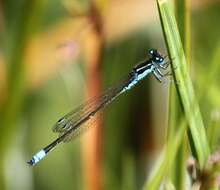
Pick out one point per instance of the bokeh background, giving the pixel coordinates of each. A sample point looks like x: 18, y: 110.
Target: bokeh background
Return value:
x: 57, y: 53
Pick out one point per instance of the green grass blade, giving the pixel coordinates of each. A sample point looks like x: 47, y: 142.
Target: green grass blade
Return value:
x: 21, y: 17
x: 167, y: 158
x: 178, y: 172
x: 183, y: 82
x: 182, y: 10
x: 213, y: 131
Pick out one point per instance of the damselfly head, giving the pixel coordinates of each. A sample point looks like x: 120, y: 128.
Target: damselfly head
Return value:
x: 156, y: 57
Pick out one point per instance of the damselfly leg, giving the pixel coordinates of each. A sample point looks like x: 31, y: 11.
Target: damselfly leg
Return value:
x: 157, y: 75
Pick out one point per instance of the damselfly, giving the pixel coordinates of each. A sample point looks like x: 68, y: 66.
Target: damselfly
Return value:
x: 71, y: 124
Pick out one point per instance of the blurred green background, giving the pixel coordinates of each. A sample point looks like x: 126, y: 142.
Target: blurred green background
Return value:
x: 48, y: 48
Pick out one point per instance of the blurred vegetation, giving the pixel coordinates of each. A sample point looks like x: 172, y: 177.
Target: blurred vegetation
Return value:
x: 45, y: 68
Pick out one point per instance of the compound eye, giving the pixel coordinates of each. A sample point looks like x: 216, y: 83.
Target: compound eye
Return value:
x: 151, y: 52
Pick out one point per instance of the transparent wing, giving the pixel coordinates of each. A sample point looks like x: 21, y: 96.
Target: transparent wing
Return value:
x: 79, y: 130
x: 72, y: 117
x: 72, y: 124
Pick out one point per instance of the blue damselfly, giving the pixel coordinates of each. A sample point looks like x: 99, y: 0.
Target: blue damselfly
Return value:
x: 71, y: 124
